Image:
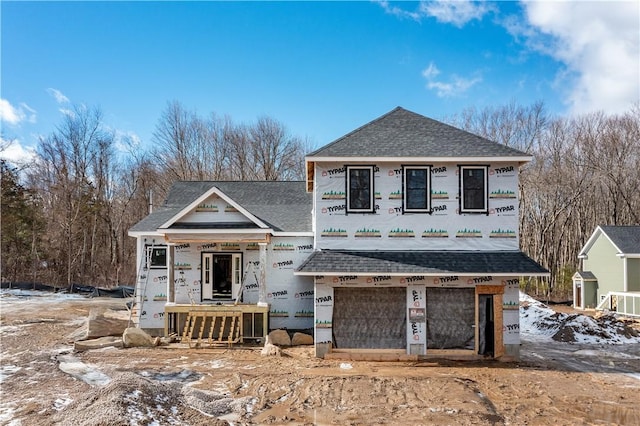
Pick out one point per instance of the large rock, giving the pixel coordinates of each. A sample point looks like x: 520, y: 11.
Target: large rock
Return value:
x: 280, y: 338
x: 135, y: 337
x: 301, y: 339
x: 102, y: 342
x: 106, y: 322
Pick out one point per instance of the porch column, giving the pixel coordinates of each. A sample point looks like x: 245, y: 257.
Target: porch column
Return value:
x: 262, y: 284
x: 170, y: 274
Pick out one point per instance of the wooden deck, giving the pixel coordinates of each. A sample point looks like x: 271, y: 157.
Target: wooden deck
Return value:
x: 216, y: 325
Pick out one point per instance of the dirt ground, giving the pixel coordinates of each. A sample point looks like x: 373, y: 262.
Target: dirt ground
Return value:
x: 180, y: 386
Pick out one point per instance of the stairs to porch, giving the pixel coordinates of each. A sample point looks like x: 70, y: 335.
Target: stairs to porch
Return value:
x: 212, y: 329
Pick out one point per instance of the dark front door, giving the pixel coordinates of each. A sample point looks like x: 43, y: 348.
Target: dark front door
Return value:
x: 486, y: 325
x: 217, y: 276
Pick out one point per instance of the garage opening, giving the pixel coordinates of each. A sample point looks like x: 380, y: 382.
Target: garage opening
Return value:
x: 450, y: 318
x: 370, y: 318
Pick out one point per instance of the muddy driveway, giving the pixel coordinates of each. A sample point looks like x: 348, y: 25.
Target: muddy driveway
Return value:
x: 555, y: 383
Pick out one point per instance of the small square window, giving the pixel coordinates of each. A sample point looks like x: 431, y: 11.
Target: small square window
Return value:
x: 360, y: 195
x: 157, y: 257
x: 416, y: 189
x: 473, y: 189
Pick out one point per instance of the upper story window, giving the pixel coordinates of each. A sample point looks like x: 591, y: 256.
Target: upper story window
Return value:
x: 156, y: 257
x: 360, y: 195
x: 417, y: 189
x: 473, y: 189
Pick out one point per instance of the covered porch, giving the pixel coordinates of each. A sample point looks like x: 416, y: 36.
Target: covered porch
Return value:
x: 217, y: 312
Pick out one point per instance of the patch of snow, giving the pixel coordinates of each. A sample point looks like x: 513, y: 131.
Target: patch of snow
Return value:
x: 7, y: 371
x: 540, y: 323
x: 180, y: 376
x: 81, y: 371
x: 61, y: 403
x: 218, y: 363
x: 17, y: 295
x: 346, y: 366
x: 7, y: 409
x: 16, y: 330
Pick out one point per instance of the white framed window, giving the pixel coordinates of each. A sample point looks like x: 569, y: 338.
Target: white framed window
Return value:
x: 474, y: 192
x: 416, y: 189
x: 156, y: 257
x: 360, y: 192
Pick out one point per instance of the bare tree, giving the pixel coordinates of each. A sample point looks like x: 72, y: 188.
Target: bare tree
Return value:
x: 71, y: 175
x: 277, y: 154
x: 189, y: 147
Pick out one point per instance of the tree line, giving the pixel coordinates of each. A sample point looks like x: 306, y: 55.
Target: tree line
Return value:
x: 585, y: 172
x: 65, y: 216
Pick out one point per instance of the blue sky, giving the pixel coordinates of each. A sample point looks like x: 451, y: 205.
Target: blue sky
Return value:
x: 321, y: 68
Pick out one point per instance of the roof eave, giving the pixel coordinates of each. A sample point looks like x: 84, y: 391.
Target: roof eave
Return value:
x: 473, y: 159
x: 428, y: 274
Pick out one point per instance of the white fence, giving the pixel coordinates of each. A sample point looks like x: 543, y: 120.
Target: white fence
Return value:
x: 623, y: 303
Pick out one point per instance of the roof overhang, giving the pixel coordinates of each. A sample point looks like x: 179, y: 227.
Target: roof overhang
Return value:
x: 144, y: 234
x: 181, y: 236
x: 474, y: 159
x: 427, y: 263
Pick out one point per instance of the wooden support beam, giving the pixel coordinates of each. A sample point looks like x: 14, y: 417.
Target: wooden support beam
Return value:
x: 498, y: 345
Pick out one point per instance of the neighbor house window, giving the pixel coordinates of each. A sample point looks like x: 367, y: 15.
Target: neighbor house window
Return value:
x: 416, y: 189
x: 360, y: 195
x: 157, y: 257
x: 473, y: 189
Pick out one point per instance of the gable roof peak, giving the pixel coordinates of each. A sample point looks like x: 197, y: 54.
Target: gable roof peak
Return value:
x: 401, y: 133
x: 626, y: 238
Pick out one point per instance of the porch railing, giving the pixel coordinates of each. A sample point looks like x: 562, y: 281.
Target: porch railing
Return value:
x: 623, y: 303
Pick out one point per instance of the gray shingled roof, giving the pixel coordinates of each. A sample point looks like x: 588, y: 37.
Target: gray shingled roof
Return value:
x: 402, y: 133
x: 626, y: 238
x: 349, y: 262
x: 285, y: 206
x: 586, y: 275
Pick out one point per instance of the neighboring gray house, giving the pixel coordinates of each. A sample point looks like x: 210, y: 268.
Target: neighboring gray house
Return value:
x: 406, y: 240
x: 610, y: 273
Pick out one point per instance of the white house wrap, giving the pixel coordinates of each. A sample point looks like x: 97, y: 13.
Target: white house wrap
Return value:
x: 404, y: 236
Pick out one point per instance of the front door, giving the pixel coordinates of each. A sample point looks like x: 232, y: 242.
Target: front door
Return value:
x: 220, y: 275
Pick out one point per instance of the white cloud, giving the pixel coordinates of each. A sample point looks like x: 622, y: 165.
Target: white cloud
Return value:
x: 14, y: 152
x: 16, y: 115
x: 431, y: 71
x: 58, y: 96
x: 126, y: 141
x: 598, y: 43
x: 455, y: 12
x: 456, y: 85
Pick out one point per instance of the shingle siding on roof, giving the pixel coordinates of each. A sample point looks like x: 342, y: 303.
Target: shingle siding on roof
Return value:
x: 402, y: 133
x: 285, y: 206
x: 626, y: 238
x: 586, y: 275
x: 420, y: 262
